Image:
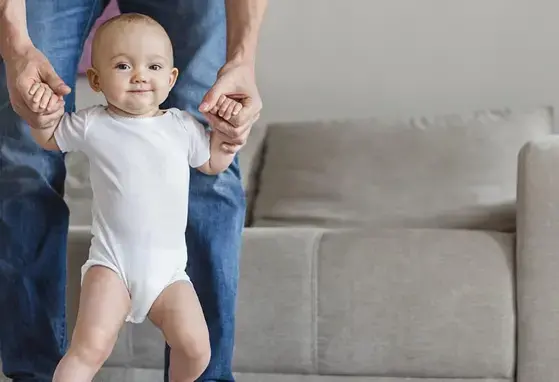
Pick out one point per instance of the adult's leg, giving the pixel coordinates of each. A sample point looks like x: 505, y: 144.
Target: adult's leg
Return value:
x: 217, y: 204
x: 33, y: 215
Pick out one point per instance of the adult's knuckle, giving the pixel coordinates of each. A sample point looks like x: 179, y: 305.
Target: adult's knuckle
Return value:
x: 228, y: 131
x: 19, y: 83
x: 241, y: 119
x: 258, y: 106
x: 238, y: 132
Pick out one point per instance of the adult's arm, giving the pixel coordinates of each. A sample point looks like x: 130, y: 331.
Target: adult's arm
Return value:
x: 14, y: 38
x: 26, y: 65
x: 236, y: 79
x: 244, y: 18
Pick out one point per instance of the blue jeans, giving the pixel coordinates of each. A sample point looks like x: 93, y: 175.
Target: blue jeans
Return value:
x: 34, y: 217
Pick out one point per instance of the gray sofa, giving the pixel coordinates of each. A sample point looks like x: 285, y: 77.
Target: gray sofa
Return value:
x: 420, y: 250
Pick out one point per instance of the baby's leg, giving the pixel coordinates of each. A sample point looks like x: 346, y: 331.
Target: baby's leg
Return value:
x: 178, y: 314
x: 104, y: 305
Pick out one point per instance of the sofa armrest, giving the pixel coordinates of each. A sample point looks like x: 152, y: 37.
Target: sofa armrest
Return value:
x: 537, y: 261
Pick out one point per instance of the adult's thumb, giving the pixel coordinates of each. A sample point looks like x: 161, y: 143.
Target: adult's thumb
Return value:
x: 56, y: 84
x: 210, y: 99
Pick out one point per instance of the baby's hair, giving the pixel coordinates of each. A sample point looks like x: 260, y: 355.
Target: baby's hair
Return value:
x: 129, y: 18
x: 124, y: 18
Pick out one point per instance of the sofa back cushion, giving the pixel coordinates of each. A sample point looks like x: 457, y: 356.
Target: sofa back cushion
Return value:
x: 450, y: 171
x: 250, y: 161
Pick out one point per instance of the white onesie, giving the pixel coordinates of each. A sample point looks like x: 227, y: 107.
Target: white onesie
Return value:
x: 139, y: 171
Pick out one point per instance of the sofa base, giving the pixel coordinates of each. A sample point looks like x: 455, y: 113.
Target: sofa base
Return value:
x: 118, y: 374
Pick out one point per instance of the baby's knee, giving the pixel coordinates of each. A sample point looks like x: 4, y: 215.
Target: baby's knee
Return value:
x: 199, y: 354
x: 93, y: 352
x: 196, y: 355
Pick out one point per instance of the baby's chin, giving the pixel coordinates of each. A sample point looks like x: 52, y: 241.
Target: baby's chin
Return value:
x: 137, y: 109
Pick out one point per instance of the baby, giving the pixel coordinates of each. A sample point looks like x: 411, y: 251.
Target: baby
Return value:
x: 139, y: 167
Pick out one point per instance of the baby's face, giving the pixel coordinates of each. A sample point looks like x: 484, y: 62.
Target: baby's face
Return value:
x: 134, y: 67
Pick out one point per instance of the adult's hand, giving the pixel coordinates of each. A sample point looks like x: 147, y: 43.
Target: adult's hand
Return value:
x: 24, y: 69
x: 231, y: 145
x: 237, y: 81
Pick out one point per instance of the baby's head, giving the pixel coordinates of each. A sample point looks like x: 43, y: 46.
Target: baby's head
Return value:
x: 132, y: 63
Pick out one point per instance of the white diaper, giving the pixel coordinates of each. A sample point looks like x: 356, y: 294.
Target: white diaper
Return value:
x: 143, y: 286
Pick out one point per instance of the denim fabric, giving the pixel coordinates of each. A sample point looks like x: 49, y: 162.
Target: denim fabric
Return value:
x: 34, y: 217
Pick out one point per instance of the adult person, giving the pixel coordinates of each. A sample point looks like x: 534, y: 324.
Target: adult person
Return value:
x: 42, y: 41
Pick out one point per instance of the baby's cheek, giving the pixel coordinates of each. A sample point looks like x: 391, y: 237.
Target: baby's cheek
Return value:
x: 163, y: 91
x: 117, y: 92
x: 111, y: 95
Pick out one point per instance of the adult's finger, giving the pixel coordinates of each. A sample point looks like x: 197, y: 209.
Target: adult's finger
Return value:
x: 251, y: 108
x: 235, y: 135
x: 55, y: 82
x: 211, y: 97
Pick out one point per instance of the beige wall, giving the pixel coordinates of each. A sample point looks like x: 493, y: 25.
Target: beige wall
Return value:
x: 339, y: 58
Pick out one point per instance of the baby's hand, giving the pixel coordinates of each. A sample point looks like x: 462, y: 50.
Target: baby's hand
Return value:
x: 226, y: 107
x: 43, y: 98
x: 47, y: 104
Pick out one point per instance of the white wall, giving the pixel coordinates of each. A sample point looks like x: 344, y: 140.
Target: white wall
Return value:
x: 339, y: 58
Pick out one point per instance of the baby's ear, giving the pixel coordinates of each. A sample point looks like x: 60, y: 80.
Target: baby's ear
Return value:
x: 173, y: 77
x: 93, y: 78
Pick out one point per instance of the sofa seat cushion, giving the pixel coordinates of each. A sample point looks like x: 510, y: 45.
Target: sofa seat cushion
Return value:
x: 420, y: 303
x: 451, y: 171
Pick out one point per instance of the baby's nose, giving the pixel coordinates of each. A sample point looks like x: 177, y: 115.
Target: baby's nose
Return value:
x: 138, y: 77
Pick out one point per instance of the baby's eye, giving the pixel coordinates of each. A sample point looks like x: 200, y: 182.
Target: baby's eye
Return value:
x: 155, y: 67
x: 123, y: 66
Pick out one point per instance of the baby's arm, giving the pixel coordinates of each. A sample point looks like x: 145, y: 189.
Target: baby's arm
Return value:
x: 222, y: 154
x: 43, y: 133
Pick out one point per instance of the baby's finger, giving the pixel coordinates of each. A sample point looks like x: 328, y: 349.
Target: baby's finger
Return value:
x: 224, y: 106
x: 34, y: 88
x: 237, y: 108
x: 45, y: 99
x: 222, y: 98
x: 39, y: 94
x: 54, y: 100
x: 214, y: 110
x: 229, y: 112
